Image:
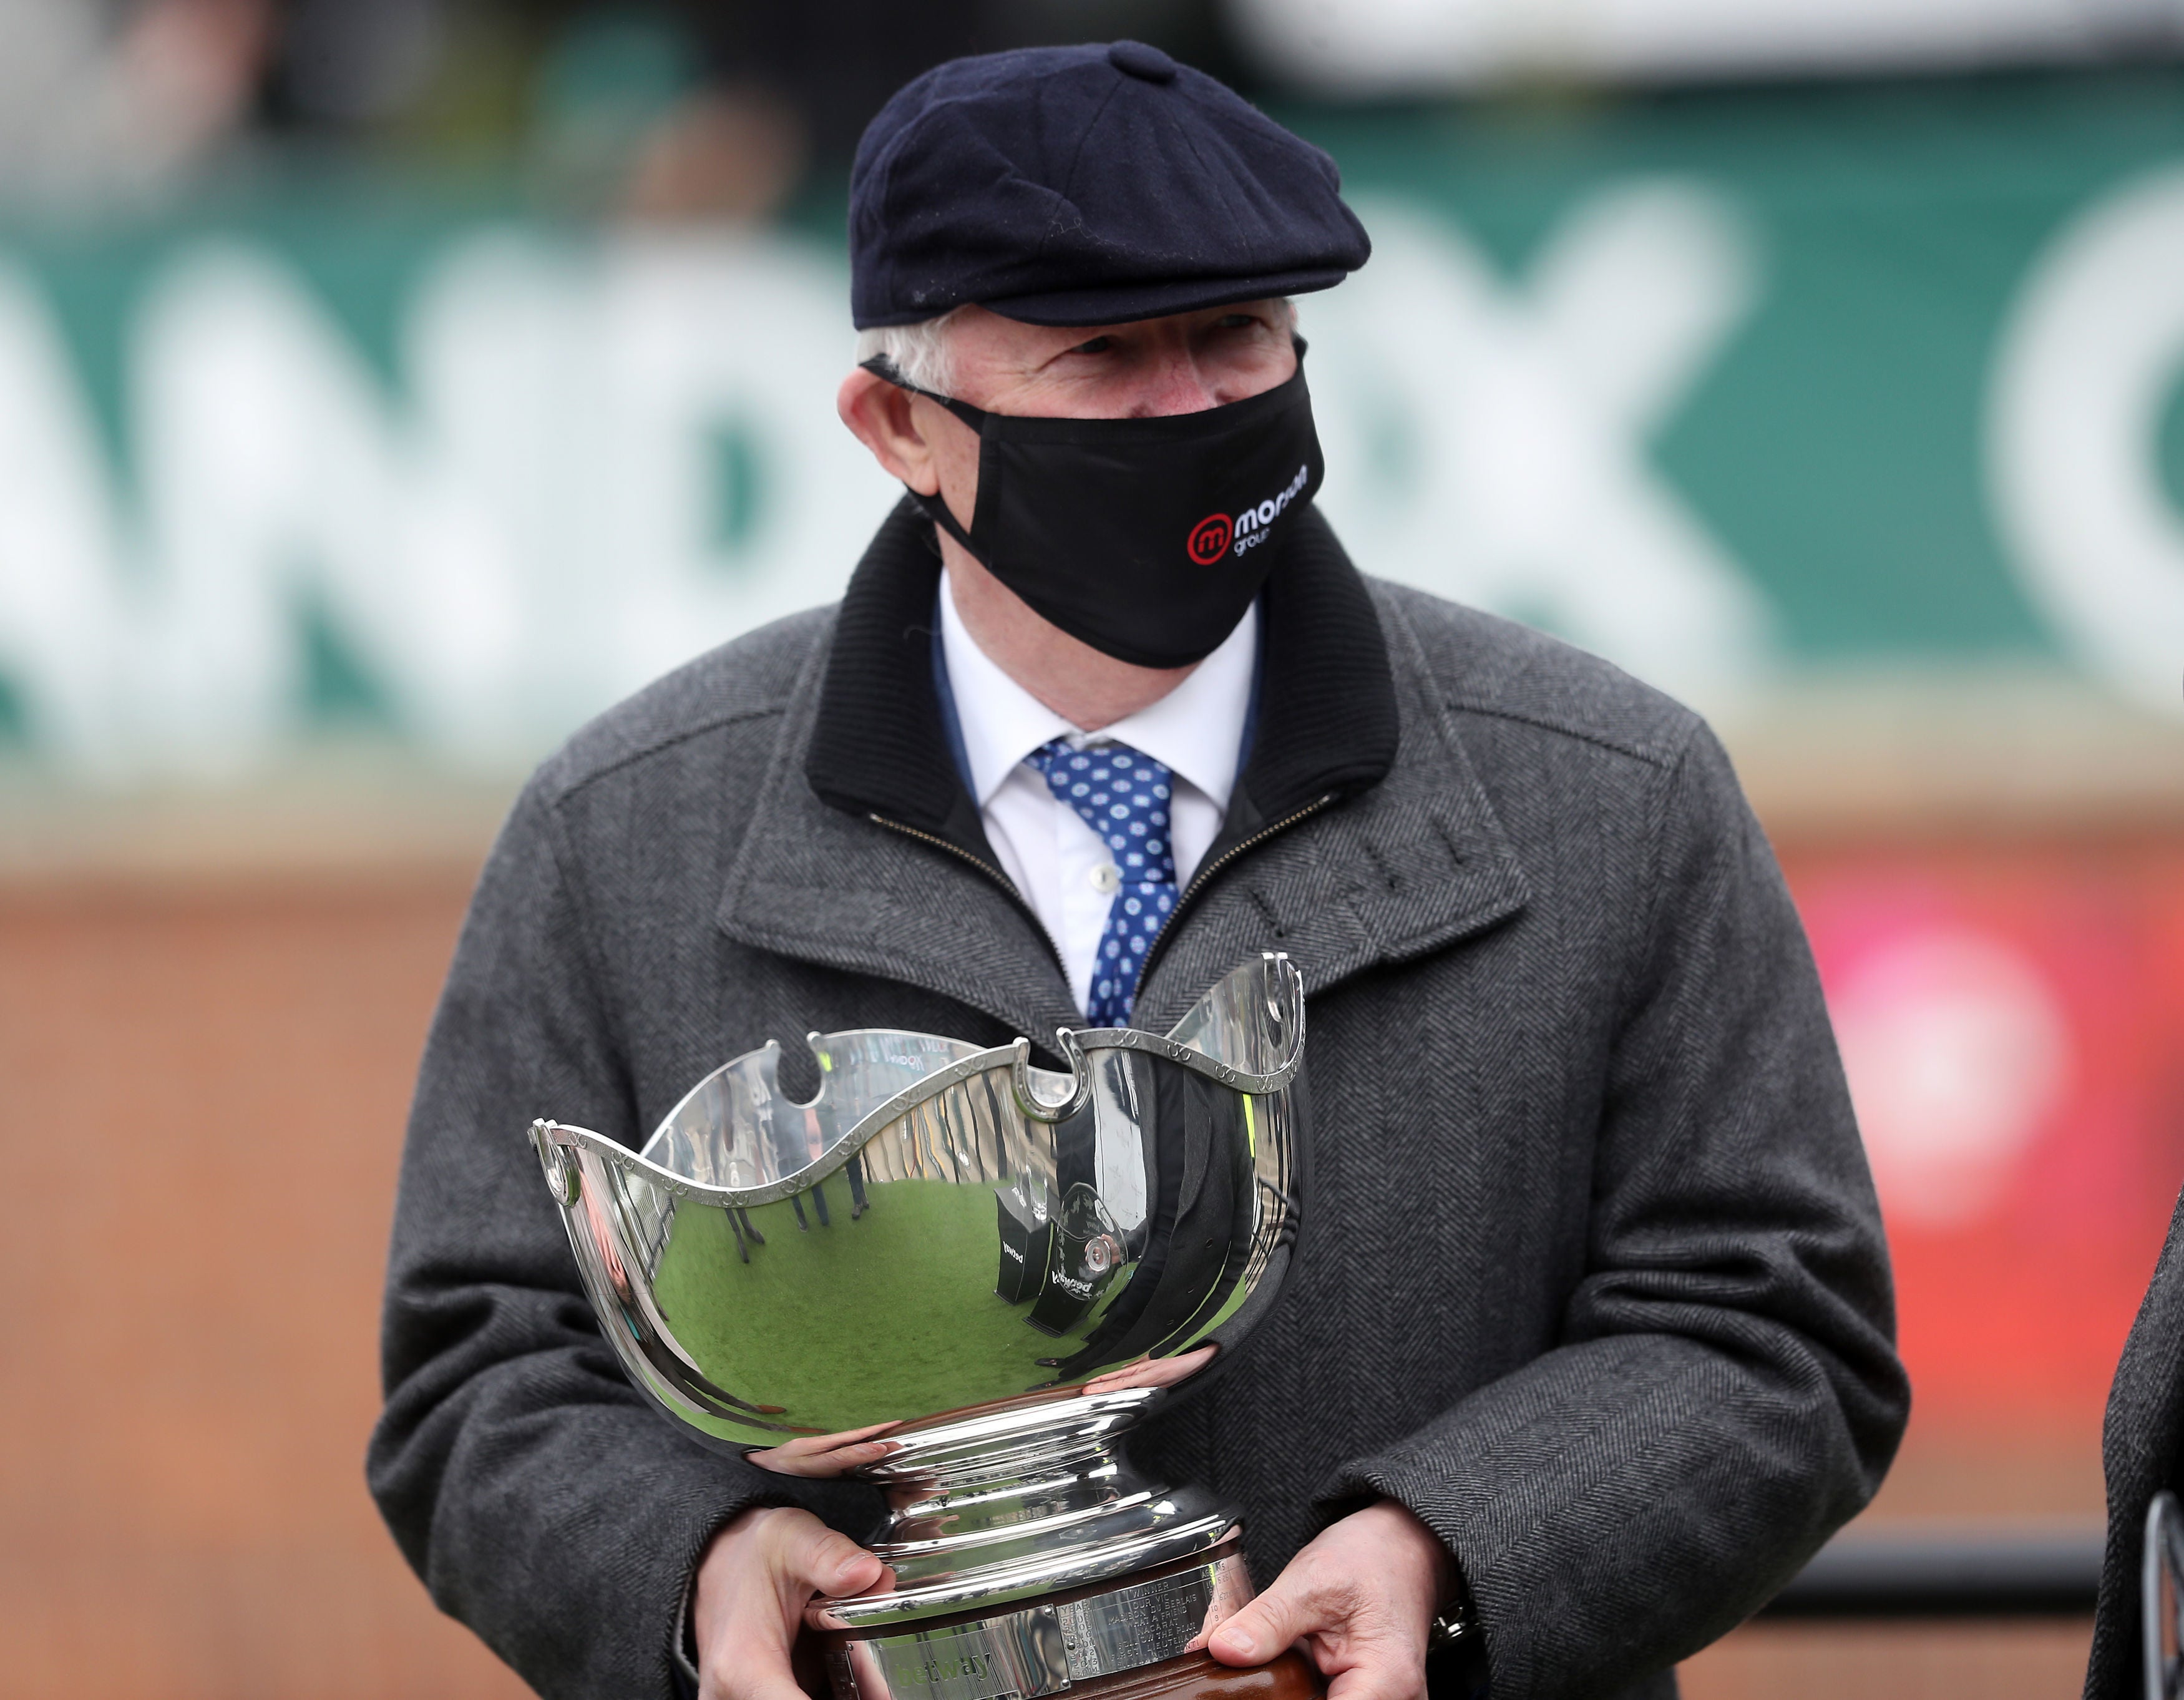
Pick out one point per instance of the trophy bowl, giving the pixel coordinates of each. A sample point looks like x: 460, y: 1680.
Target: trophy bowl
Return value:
x: 1007, y: 1267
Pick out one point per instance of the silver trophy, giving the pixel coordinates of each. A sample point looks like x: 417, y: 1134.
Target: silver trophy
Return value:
x: 1010, y: 1265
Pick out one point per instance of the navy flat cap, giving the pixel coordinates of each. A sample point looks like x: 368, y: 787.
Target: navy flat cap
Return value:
x: 1086, y: 186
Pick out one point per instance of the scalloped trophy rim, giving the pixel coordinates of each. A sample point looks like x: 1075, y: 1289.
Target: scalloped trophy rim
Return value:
x: 550, y: 1137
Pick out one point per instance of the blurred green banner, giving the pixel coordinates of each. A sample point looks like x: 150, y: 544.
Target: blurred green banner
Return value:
x: 1733, y: 388
x: 1911, y: 354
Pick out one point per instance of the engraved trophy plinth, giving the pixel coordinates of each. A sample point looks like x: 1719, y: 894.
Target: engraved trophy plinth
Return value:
x: 1011, y: 1265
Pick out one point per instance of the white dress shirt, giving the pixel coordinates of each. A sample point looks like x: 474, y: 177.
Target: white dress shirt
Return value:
x: 1060, y: 864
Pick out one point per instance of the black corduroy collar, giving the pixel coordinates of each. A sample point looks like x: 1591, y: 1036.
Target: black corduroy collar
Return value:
x: 878, y: 746
x: 1327, y: 718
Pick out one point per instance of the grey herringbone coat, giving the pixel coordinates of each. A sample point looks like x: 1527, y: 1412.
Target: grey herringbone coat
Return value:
x: 1591, y: 1276
x: 2142, y: 1454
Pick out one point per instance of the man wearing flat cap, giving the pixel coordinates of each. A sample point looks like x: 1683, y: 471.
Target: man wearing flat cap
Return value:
x: 1587, y: 1345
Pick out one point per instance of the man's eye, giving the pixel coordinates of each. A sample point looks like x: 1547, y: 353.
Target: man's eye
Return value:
x: 1098, y: 345
x: 1235, y: 321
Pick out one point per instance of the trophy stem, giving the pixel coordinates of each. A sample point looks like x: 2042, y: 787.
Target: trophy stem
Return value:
x: 1030, y: 1556
x: 1015, y: 1503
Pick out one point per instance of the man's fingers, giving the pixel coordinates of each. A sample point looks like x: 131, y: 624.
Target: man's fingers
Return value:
x: 750, y: 1684
x: 754, y: 1584
x: 830, y: 1562
x: 1376, y: 1682
x: 825, y: 1465
x: 1278, y: 1618
x: 1152, y: 1372
x: 827, y: 1455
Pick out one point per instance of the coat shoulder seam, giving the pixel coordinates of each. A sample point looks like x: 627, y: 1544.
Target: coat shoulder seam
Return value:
x: 570, y: 789
x: 1664, y: 759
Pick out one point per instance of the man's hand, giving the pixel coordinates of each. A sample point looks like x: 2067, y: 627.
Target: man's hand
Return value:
x: 827, y: 1455
x: 753, y: 1584
x: 1361, y: 1599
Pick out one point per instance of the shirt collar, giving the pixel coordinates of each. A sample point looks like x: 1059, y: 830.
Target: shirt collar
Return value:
x: 1325, y: 722
x: 1196, y: 731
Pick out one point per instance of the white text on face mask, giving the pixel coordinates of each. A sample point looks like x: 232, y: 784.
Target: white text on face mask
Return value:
x: 1251, y: 524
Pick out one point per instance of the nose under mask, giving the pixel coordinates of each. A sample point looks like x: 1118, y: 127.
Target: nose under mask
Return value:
x: 1147, y: 538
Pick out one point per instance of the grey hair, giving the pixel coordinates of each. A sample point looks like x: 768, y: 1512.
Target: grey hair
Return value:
x: 919, y: 353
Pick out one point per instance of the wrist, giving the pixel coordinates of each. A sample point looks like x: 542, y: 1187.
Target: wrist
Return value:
x: 712, y: 1579
x: 1432, y: 1556
x: 1449, y: 1621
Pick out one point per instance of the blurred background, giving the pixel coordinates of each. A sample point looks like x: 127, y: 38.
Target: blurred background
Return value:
x: 385, y: 388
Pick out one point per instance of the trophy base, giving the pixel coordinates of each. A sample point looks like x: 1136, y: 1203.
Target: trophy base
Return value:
x: 1135, y: 1638
x: 1195, y: 1677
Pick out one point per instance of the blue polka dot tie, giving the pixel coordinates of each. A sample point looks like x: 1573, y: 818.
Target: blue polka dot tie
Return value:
x: 1123, y: 796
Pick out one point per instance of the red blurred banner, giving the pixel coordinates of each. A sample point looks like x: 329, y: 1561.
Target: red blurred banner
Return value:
x: 2009, y: 1017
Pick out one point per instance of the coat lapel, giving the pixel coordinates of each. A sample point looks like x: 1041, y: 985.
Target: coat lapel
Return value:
x: 1412, y: 865
x: 864, y: 851
x: 822, y: 885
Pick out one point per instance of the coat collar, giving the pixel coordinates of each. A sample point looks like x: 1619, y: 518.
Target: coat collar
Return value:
x: 1326, y: 723
x: 858, y: 856
x: 876, y: 743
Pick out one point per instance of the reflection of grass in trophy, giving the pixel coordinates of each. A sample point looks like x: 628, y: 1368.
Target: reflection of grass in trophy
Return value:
x: 893, y: 1315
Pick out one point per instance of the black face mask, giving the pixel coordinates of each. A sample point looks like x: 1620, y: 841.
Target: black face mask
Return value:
x: 1147, y: 538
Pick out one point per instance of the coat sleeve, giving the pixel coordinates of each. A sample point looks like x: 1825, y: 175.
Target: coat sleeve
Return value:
x: 2142, y: 1454
x: 1725, y: 1391
x: 541, y: 1499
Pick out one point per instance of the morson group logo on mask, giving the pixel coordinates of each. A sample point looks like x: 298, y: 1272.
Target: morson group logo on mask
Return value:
x: 1213, y: 535
x: 1209, y: 538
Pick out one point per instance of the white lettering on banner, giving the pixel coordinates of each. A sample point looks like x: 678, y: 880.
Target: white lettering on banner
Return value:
x: 2093, y: 350
x: 272, y: 474
x: 528, y: 524
x: 61, y: 618
x: 527, y: 534
x: 1487, y: 441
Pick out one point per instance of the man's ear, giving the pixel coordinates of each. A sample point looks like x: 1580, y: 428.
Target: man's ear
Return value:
x: 882, y: 417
